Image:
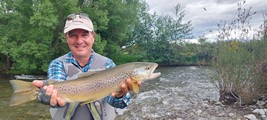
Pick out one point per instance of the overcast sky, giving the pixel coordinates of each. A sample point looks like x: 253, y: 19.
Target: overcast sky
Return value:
x: 206, y: 14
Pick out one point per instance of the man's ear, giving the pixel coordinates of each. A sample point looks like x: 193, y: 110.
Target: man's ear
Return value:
x: 93, y: 33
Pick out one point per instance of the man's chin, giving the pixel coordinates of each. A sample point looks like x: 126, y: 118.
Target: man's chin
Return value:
x: 82, y: 53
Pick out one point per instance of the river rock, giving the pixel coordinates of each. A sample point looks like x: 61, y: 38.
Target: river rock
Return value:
x: 263, y: 117
x: 221, y: 114
x: 198, y: 112
x: 250, y: 117
x: 218, y: 103
x: 231, y: 114
x: 205, y: 105
x: 259, y: 111
x: 260, y: 103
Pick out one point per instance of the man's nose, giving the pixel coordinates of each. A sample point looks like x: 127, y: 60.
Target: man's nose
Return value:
x: 79, y: 39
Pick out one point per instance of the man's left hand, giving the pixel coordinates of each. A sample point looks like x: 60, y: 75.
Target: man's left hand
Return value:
x: 125, y: 88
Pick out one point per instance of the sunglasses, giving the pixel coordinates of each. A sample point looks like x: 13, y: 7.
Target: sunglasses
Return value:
x: 80, y: 15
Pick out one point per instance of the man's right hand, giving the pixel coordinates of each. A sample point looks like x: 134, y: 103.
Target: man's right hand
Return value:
x: 50, y: 91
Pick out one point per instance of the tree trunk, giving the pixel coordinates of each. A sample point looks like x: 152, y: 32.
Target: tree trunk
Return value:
x: 8, y: 63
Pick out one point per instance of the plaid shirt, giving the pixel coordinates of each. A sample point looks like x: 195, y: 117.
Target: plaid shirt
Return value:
x: 56, y: 72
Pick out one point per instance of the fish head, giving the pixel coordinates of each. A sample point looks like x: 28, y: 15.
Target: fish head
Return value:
x: 145, y: 71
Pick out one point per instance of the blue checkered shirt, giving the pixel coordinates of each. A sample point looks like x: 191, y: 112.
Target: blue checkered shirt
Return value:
x: 56, y: 72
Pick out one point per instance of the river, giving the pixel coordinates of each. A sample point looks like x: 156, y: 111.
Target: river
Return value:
x: 179, y: 93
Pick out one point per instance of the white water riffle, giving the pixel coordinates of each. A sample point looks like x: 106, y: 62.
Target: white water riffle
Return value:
x: 175, y: 95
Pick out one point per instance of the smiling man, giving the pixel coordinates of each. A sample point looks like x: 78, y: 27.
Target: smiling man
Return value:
x: 80, y: 36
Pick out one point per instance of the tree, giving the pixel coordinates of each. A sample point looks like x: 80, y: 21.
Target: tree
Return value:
x: 160, y: 37
x: 31, y: 30
x: 121, y: 23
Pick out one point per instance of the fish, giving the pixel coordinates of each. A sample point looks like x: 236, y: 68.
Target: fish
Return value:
x: 89, y: 87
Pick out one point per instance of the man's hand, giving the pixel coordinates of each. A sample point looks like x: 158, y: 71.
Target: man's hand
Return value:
x: 50, y: 91
x: 125, y: 88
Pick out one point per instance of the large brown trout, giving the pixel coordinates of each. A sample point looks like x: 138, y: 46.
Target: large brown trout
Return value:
x: 89, y: 87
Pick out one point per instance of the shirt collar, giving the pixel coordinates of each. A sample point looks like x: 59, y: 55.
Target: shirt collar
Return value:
x: 71, y: 59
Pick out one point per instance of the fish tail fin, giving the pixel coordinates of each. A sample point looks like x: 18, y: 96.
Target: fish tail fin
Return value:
x: 23, y: 92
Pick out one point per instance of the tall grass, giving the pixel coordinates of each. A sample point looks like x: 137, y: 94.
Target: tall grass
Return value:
x: 239, y: 59
x: 238, y: 69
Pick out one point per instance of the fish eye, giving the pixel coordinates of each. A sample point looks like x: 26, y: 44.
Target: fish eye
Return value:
x: 147, y: 68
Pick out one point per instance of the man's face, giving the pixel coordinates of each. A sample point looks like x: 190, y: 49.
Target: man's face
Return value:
x: 80, y: 42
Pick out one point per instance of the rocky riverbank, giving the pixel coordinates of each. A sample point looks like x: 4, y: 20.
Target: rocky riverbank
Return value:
x: 185, y: 93
x: 205, y: 110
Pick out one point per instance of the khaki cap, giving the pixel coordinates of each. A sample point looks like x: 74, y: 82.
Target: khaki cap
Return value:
x: 78, y: 21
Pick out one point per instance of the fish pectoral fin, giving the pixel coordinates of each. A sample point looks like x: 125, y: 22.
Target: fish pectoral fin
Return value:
x: 135, y: 85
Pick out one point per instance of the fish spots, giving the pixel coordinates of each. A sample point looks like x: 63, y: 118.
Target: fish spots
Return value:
x: 103, y: 83
x: 72, y: 89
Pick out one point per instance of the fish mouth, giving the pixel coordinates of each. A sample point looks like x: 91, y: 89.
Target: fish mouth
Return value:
x: 153, y: 75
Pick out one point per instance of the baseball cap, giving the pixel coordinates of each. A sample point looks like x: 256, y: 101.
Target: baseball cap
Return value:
x: 78, y: 21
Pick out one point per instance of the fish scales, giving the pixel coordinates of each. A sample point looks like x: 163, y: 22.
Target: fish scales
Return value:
x: 96, y: 85
x: 98, y: 82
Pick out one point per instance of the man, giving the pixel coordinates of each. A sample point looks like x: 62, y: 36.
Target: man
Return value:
x: 79, y: 33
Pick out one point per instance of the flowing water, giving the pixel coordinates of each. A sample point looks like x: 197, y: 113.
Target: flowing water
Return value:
x: 173, y: 95
x: 179, y: 93
x: 29, y: 111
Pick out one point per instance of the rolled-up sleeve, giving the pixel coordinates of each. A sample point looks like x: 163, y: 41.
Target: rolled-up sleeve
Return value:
x: 56, y: 71
x: 119, y: 102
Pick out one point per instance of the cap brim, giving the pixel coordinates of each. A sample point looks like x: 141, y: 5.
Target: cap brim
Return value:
x: 77, y: 26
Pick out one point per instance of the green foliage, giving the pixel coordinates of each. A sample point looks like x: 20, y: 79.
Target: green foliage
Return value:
x: 121, y: 22
x: 31, y: 32
x: 159, y: 38
x: 99, y: 45
x: 237, y: 66
x: 119, y: 56
x: 98, y: 12
x: 27, y: 34
x: 204, y: 51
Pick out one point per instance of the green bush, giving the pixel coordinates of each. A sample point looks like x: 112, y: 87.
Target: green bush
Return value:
x: 237, y: 69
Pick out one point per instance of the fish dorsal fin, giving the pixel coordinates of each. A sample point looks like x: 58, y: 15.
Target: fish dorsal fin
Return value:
x: 89, y: 73
x: 81, y: 75
x: 48, y: 82
x: 135, y: 85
